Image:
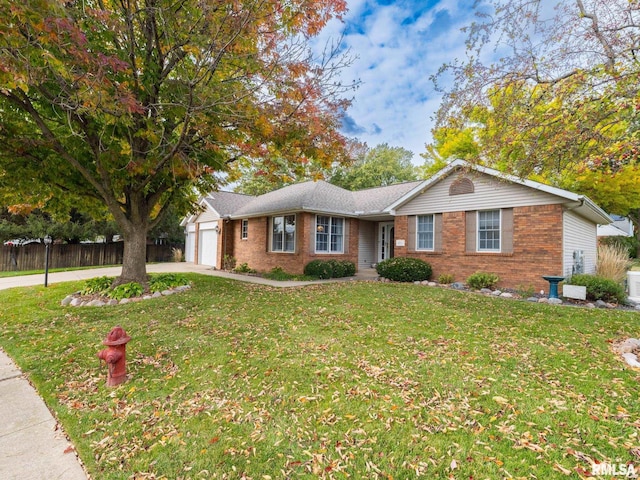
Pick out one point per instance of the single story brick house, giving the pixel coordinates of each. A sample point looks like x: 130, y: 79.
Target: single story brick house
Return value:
x: 465, y: 218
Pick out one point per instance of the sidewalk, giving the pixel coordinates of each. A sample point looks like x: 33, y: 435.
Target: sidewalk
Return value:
x: 179, y: 267
x: 32, y: 444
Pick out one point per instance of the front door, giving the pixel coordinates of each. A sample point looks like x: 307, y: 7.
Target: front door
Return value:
x: 385, y: 241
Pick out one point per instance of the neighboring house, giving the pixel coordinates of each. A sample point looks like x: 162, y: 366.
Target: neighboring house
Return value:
x: 620, y: 227
x: 464, y: 219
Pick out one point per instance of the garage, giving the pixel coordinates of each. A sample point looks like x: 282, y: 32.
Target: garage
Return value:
x: 190, y: 244
x: 208, y: 244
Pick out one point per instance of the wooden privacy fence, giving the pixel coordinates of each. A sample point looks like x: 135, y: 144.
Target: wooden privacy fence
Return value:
x: 31, y: 257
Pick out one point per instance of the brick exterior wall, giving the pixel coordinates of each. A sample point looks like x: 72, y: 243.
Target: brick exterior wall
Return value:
x: 537, y: 248
x: 254, y: 251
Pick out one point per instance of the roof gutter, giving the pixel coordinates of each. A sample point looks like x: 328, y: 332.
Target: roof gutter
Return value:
x: 590, y: 210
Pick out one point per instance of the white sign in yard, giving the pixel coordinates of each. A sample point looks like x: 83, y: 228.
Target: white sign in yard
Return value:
x: 574, y: 291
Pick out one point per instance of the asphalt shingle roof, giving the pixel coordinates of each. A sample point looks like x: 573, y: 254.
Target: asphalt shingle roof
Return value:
x: 321, y: 196
x: 375, y: 200
x: 225, y: 203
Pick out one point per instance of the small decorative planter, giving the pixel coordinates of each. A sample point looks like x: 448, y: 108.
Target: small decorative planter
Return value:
x: 633, y: 282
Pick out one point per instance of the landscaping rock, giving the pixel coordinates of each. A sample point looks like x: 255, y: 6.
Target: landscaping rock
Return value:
x: 485, y: 290
x: 147, y: 297
x: 590, y: 305
x: 124, y: 300
x: 628, y: 346
x: 457, y: 286
x: 543, y: 300
x: 497, y: 293
x: 601, y: 304
x: 425, y: 282
x: 66, y: 300
x: 75, y: 302
x: 631, y: 359
x: 555, y: 301
x: 432, y: 284
x: 166, y: 293
x: 417, y: 282
x: 637, y: 307
x: 156, y: 294
x: 506, y: 295
x: 113, y: 301
x: 532, y: 299
x: 95, y: 303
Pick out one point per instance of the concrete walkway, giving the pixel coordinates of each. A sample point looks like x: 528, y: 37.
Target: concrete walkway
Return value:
x: 180, y: 267
x: 32, y: 444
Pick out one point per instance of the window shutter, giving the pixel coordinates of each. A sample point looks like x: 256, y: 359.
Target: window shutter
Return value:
x: 507, y: 230
x: 411, y: 233
x: 470, y: 231
x: 437, y: 232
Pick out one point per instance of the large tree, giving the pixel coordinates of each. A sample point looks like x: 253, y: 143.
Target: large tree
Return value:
x: 134, y: 105
x: 578, y: 58
x: 379, y: 166
x: 552, y: 89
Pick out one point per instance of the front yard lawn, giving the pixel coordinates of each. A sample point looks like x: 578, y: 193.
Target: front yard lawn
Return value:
x: 342, y: 380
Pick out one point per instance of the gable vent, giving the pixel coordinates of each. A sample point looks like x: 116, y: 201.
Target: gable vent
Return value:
x: 461, y: 186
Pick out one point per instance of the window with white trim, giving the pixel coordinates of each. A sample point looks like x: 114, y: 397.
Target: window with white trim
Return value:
x: 489, y: 231
x: 329, y: 234
x: 283, y: 233
x: 424, y: 232
x: 245, y: 229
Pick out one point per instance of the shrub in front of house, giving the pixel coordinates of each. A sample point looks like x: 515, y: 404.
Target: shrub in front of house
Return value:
x: 403, y: 269
x: 342, y: 268
x: 599, y: 288
x: 319, y: 269
x: 480, y: 280
x: 324, y: 269
x: 446, y: 278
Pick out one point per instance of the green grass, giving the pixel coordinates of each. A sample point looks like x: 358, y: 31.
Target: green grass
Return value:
x: 343, y: 380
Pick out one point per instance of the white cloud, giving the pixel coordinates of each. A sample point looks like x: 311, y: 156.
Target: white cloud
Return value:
x: 399, y: 46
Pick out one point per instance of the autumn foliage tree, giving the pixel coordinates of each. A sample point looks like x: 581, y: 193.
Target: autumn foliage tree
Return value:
x: 551, y: 89
x: 134, y: 105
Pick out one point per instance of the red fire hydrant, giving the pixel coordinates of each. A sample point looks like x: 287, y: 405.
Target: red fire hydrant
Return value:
x: 115, y: 355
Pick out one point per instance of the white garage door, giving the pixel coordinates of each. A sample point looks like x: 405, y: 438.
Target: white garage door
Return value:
x: 208, y: 247
x: 190, y: 247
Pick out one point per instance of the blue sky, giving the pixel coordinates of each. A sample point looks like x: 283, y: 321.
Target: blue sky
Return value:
x: 398, y: 45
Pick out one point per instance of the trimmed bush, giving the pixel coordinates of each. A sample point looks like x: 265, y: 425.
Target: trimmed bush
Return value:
x: 599, y: 288
x: 319, y: 269
x: 402, y: 269
x: 480, y: 280
x: 325, y: 269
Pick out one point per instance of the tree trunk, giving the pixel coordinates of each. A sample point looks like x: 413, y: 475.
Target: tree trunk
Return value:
x: 134, y: 261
